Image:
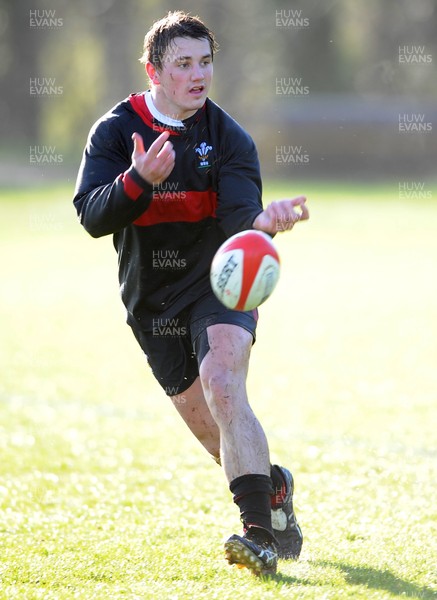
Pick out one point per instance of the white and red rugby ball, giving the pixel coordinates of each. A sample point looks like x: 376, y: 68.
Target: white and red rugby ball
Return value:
x: 245, y: 270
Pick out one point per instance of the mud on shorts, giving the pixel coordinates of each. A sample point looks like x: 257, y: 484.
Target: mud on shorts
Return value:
x: 175, y: 347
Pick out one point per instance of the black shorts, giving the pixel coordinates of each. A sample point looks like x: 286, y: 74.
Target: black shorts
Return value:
x: 175, y: 347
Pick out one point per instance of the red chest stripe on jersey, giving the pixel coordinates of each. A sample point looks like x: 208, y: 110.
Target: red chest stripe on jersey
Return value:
x: 170, y: 207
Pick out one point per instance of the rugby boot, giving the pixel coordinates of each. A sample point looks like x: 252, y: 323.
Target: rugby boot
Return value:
x: 285, y: 526
x: 256, y: 550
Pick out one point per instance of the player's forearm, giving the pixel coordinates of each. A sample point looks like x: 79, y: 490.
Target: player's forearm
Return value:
x: 238, y: 220
x: 239, y: 202
x: 109, y: 208
x: 239, y: 187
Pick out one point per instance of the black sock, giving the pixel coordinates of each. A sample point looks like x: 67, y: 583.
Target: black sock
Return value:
x: 252, y: 494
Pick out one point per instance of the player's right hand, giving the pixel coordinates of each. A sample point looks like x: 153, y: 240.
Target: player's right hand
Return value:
x: 157, y: 163
x: 282, y: 215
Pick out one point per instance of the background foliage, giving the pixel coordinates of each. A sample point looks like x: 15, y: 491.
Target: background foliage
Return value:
x: 346, y: 54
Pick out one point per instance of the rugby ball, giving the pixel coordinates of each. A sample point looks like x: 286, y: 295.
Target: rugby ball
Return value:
x: 245, y: 270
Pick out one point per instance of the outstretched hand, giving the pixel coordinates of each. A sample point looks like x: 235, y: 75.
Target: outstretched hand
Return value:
x: 282, y: 215
x: 157, y: 163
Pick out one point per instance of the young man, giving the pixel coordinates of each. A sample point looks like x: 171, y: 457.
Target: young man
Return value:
x: 170, y: 174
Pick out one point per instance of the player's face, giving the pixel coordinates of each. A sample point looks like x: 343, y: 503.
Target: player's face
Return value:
x: 181, y: 87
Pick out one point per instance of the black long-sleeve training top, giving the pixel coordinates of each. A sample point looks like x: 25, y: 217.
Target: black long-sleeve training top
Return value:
x: 166, y: 235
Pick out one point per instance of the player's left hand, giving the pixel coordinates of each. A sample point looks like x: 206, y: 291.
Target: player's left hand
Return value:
x: 282, y: 215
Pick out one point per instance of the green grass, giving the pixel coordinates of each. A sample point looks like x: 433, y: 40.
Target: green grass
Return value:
x: 104, y: 493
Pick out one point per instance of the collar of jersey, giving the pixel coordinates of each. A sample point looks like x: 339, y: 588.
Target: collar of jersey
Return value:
x: 159, y: 116
x: 139, y: 105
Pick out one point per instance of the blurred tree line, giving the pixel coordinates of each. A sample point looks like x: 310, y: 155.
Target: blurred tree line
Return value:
x: 82, y: 57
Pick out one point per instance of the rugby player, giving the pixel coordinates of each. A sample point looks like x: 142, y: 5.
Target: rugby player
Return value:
x: 170, y: 175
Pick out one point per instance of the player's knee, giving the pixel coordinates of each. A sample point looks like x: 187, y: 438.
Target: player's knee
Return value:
x: 208, y: 376
x: 215, y: 376
x: 223, y: 390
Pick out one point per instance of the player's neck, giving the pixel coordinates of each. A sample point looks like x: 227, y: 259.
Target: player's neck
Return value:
x: 164, y: 108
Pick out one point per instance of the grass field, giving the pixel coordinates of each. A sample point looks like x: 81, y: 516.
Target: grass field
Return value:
x: 103, y: 492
